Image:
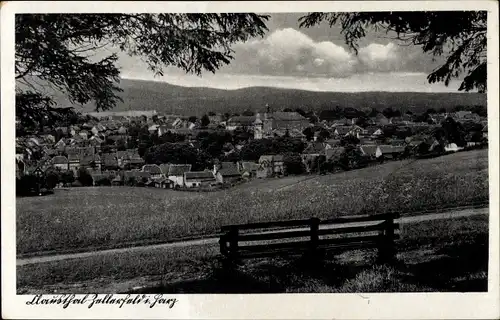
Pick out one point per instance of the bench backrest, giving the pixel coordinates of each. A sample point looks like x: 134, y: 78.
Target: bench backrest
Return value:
x: 298, y: 235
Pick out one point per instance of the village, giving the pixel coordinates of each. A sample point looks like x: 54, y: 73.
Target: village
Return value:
x: 145, y: 148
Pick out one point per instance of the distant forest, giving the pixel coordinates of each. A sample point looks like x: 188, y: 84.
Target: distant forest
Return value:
x: 197, y: 101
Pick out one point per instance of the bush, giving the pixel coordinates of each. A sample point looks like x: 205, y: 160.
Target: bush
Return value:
x: 293, y: 163
x: 103, y: 182
x: 26, y: 185
x: 84, y: 177
x: 131, y: 181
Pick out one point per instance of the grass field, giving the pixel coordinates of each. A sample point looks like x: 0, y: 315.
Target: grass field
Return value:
x: 440, y: 255
x: 110, y: 216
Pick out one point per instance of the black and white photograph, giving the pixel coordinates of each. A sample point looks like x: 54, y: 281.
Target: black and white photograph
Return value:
x: 166, y: 153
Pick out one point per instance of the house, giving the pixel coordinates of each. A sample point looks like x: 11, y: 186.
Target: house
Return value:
x: 258, y: 127
x: 60, y: 162
x: 138, y: 176
x: 48, y: 139
x: 100, y: 127
x: 438, y: 118
x: 341, y: 122
x: 60, y: 145
x: 154, y: 170
x: 84, y: 134
x: 333, y: 142
x: 94, y: 130
x: 62, y: 130
x: 176, y: 174
x: 74, y: 162
x: 122, y: 130
x: 153, y: 128
x: 164, y: 167
x: 380, y: 120
x: 163, y: 129
x: 452, y: 147
x: 109, y: 160
x: 226, y: 172
x: 402, y: 120
x: 90, y: 161
x: 463, y: 116
x: 270, y: 165
x: 198, y: 178
x: 377, y: 133
x: 392, y: 152
x: 162, y: 183
x: 372, y: 151
x: 135, y: 159
x: 285, y: 120
x: 485, y: 131
x: 312, y: 152
x: 356, y: 131
x: 341, y: 131
x: 117, y: 181
x: 123, y: 158
x: 240, y: 122
x: 248, y: 169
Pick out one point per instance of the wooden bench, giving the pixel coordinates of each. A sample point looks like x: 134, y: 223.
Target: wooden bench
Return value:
x: 311, y: 236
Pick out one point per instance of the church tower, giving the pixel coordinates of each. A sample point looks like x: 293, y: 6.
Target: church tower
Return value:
x: 258, y: 127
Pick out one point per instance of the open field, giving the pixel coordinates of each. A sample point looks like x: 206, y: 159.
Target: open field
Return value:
x: 111, y: 216
x: 437, y: 255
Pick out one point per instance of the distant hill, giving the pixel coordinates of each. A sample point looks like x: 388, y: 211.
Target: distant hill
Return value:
x: 167, y: 98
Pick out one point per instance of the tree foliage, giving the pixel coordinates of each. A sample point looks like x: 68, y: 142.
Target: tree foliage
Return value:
x: 281, y: 145
x: 178, y: 153
x: 55, y: 50
x: 460, y: 36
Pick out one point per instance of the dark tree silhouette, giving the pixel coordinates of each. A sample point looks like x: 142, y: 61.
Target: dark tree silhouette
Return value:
x: 54, y: 50
x: 205, y: 121
x: 460, y: 36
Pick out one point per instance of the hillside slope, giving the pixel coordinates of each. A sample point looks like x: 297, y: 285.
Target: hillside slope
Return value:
x: 167, y: 98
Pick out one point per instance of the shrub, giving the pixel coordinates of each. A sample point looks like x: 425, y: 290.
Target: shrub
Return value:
x: 103, y: 182
x: 84, y: 177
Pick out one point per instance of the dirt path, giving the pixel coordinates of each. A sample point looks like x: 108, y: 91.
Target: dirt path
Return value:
x: 404, y: 220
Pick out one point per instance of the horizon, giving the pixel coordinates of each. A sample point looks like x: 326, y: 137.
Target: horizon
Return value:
x: 397, y: 82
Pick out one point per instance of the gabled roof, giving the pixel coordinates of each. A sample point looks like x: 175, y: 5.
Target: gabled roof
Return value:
x: 122, y: 155
x: 109, y: 159
x: 249, y: 166
x: 178, y: 169
x: 164, y: 167
x: 152, y: 168
x: 343, y: 130
x: 199, y: 175
x: 391, y: 149
x: 228, y: 169
x: 59, y: 160
x: 271, y: 158
x: 73, y: 157
x: 369, y: 150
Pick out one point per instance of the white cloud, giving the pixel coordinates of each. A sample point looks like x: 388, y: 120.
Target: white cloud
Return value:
x: 380, y: 57
x: 288, y: 51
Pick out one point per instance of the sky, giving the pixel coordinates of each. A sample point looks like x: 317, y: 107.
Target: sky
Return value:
x: 315, y: 59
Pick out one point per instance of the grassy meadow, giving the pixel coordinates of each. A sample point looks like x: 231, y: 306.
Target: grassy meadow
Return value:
x: 82, y: 218
x: 448, y: 255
